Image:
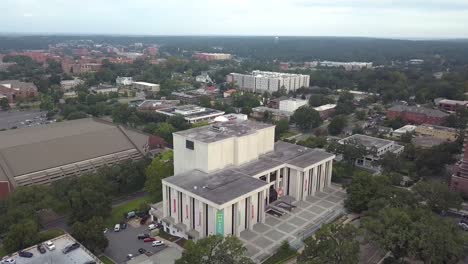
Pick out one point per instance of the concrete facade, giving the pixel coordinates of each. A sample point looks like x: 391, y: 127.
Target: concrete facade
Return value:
x: 227, y: 176
x: 291, y: 104
x: 262, y: 81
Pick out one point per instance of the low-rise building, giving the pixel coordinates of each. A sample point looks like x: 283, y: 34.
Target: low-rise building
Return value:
x: 67, y: 85
x: 14, y: 90
x: 417, y: 115
x: 377, y: 147
x: 291, y: 104
x: 146, y: 87
x: 440, y: 132
x: 186, y: 98
x: 124, y: 81
x: 228, y: 176
x: 104, y: 89
x: 153, y: 105
x: 212, y: 56
x: 276, y: 114
x: 229, y: 93
x: 326, y: 111
x: 398, y: 133
x: 450, y: 105
x: 203, y: 78
x: 192, y: 113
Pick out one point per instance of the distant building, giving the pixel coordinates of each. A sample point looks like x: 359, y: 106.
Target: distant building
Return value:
x: 276, y: 114
x: 291, y: 104
x: 459, y: 179
x: 212, y: 56
x: 358, y: 95
x: 153, y: 105
x: 325, y: 111
x: 186, y: 98
x: 440, y: 132
x: 349, y: 66
x: 377, y: 146
x: 415, y: 62
x: 80, y: 67
x: 263, y: 81
x: 450, y: 105
x: 14, y: 90
x: 229, y: 93
x: 104, y: 89
x: 203, y: 78
x: 94, y: 143
x: 4, y: 66
x: 398, y: 133
x: 275, y: 103
x: 192, y: 113
x: 284, y: 66
x: 417, y: 115
x: 146, y: 87
x: 124, y: 81
x: 67, y: 85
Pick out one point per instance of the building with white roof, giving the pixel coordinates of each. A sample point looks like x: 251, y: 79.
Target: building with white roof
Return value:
x: 291, y: 104
x: 146, y: 87
x: 124, y: 81
x: 229, y: 175
x: 192, y: 113
x: 263, y: 81
x: 403, y: 130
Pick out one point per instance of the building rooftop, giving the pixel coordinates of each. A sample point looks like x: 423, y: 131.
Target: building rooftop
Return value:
x: 427, y: 142
x: 435, y: 127
x: 404, y: 129
x: 191, y: 112
x: 80, y: 255
x: 263, y: 109
x: 325, y: 107
x: 449, y: 102
x: 267, y: 74
x: 223, y: 130
x: 367, y: 141
x: 420, y: 110
x: 22, y: 150
x: 146, y: 83
x: 157, y: 104
x: 227, y: 184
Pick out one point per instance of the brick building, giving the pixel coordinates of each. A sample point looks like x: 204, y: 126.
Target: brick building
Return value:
x: 450, y: 105
x: 459, y: 179
x: 417, y: 115
x: 14, y: 90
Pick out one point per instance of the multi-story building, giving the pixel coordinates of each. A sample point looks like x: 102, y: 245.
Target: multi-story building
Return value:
x: 146, y: 87
x: 67, y: 85
x: 212, y: 56
x: 459, y: 179
x: 124, y: 81
x: 14, y: 90
x: 276, y: 114
x: 192, y: 113
x: 440, y: 132
x: 72, y: 148
x: 377, y: 147
x: 228, y: 175
x: 349, y: 66
x: 291, y: 104
x: 450, y: 105
x: 262, y: 81
x: 80, y: 67
x: 417, y: 115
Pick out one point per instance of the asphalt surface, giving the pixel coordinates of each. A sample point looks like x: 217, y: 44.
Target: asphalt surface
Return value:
x: 18, y: 119
x: 126, y: 242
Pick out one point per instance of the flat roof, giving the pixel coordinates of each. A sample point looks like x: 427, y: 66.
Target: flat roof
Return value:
x: 79, y: 255
x: 146, y: 83
x: 226, y: 130
x: 367, y: 141
x: 197, y: 112
x: 419, y: 110
x: 435, y: 127
x: 227, y: 184
x: 325, y: 107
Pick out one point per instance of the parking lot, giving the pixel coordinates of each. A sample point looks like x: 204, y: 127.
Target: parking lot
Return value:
x: 126, y: 242
x: 20, y: 119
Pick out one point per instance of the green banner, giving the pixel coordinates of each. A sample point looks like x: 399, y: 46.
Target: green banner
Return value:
x: 220, y: 222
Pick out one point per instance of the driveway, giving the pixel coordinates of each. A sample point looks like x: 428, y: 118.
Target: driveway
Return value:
x: 126, y: 242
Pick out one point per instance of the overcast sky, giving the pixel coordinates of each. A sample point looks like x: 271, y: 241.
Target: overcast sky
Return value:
x: 370, y: 18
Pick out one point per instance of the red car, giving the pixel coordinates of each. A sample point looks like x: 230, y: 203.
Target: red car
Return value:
x: 149, y: 239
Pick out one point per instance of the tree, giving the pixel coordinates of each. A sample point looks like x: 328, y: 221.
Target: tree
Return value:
x: 319, y: 99
x: 160, y: 168
x: 363, y: 189
x: 21, y: 235
x: 91, y: 234
x: 214, y: 250
x: 360, y: 114
x: 4, y: 104
x: 438, y: 197
x: 337, y: 124
x: 306, y: 118
x: 351, y: 150
x: 205, y: 101
x: 178, y: 122
x: 391, y: 162
x: 165, y: 131
x: 282, y: 126
x: 334, y: 244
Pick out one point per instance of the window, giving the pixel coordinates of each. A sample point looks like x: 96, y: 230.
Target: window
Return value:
x: 189, y: 144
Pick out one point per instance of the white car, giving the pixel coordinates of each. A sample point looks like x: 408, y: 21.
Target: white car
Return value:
x: 117, y: 228
x: 152, y: 227
x: 49, y: 245
x: 8, y: 261
x: 157, y: 243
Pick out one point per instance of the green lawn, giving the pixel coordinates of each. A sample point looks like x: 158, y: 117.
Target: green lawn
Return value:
x: 117, y: 213
x: 287, y: 134
x: 106, y: 260
x: 2, y: 252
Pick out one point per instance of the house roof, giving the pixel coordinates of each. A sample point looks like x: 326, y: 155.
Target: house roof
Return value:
x: 420, y: 110
x: 34, y: 149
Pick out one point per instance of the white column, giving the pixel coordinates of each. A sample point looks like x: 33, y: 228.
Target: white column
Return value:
x: 165, y: 201
x: 322, y: 183
x: 330, y: 170
x: 314, y: 180
x: 305, y: 184
x: 277, y: 179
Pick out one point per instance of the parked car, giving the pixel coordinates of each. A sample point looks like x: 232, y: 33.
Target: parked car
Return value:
x: 49, y: 245
x: 463, y: 226
x: 25, y: 254
x: 41, y: 248
x: 144, y: 219
x: 149, y: 239
x: 123, y: 225
x: 152, y: 226
x: 8, y: 260
x: 142, y: 250
x: 141, y: 214
x: 90, y: 262
x: 131, y: 214
x: 143, y: 236
x: 117, y: 228
x: 157, y: 243
x: 70, y: 248
x: 129, y: 256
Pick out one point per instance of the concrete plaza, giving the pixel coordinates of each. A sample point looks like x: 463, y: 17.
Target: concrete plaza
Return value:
x: 263, y: 240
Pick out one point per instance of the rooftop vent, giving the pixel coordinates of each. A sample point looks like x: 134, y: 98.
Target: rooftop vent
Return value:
x: 217, y: 128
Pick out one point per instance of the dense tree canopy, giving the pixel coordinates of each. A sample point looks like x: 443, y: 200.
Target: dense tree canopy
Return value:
x: 306, y: 118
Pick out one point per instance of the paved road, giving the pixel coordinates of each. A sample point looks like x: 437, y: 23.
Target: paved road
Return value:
x: 14, y: 118
x: 126, y: 242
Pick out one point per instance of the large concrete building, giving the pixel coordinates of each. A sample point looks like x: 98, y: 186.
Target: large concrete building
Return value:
x: 192, y: 113
x: 43, y: 154
x: 417, y: 115
x: 263, y: 81
x: 227, y: 176
x: 291, y: 104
